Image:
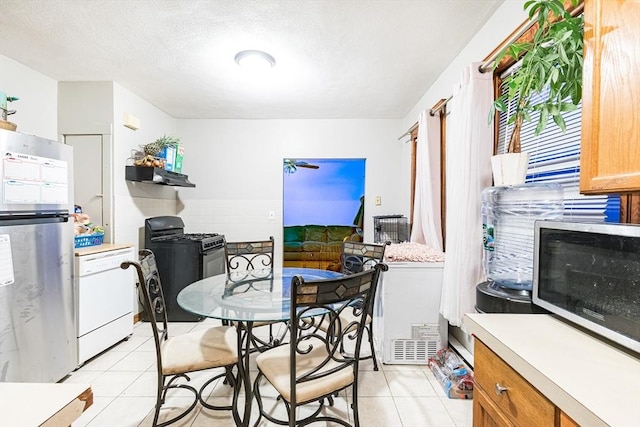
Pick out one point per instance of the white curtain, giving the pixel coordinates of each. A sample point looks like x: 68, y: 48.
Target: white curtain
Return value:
x: 426, y: 207
x: 468, y: 172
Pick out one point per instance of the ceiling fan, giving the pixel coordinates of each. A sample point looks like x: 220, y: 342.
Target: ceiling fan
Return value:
x: 291, y: 165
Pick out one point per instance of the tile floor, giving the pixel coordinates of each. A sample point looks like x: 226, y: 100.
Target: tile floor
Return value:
x: 123, y: 380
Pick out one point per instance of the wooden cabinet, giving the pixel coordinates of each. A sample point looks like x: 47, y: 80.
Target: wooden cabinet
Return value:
x: 503, y: 398
x: 485, y: 412
x: 630, y: 208
x: 610, y: 152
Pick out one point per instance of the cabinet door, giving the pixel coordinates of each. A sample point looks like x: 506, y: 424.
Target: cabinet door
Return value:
x: 565, y: 420
x: 610, y: 157
x: 630, y: 208
x: 486, y: 413
x: 512, y: 396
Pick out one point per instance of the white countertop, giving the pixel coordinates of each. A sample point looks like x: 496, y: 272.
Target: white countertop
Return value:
x: 42, y: 404
x: 593, y: 382
x: 101, y: 248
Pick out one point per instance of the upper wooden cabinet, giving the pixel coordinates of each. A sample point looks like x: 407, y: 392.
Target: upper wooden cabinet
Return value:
x: 610, y: 157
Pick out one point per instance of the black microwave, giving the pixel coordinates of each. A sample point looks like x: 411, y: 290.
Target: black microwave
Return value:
x: 589, y: 274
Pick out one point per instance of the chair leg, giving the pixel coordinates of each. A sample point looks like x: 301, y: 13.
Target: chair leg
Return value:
x: 163, y: 387
x: 373, y: 351
x: 159, y: 399
x: 354, y: 406
x: 270, y: 333
x: 258, y: 397
x: 228, y: 377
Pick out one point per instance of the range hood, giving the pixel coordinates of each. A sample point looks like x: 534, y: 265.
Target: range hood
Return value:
x: 157, y: 176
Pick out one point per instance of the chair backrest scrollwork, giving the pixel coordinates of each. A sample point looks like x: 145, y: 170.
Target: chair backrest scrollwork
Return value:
x: 249, y: 255
x: 359, y: 256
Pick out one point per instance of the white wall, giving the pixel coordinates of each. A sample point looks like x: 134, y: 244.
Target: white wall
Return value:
x: 135, y: 201
x: 98, y: 107
x: 498, y: 28
x: 237, y: 168
x: 37, y: 106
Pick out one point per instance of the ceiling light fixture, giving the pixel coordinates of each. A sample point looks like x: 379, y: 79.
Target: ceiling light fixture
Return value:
x: 255, y: 60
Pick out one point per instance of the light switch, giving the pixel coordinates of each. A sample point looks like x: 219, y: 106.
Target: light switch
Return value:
x: 378, y: 200
x: 272, y: 215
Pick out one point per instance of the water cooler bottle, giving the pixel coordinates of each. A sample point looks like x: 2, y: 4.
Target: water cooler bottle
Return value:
x: 508, y: 216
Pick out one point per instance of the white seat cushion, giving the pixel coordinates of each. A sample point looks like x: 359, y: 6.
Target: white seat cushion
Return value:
x: 274, y: 364
x: 204, y: 349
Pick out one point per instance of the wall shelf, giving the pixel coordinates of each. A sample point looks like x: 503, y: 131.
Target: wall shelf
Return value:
x: 160, y: 176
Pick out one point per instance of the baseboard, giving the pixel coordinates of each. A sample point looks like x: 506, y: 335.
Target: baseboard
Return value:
x: 461, y: 350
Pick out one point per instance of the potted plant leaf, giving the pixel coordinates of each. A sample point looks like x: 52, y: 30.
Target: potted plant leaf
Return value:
x: 551, y: 60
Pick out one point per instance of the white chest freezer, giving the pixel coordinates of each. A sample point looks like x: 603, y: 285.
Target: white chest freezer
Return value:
x: 408, y: 327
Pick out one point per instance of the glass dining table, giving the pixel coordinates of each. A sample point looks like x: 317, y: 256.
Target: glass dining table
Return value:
x: 246, y: 297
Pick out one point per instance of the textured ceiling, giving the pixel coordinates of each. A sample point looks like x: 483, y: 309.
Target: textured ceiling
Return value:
x: 334, y: 58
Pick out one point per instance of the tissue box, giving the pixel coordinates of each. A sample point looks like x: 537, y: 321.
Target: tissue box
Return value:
x: 168, y: 153
x: 84, y: 241
x: 177, y: 164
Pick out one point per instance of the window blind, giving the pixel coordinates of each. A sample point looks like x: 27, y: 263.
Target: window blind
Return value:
x: 555, y: 157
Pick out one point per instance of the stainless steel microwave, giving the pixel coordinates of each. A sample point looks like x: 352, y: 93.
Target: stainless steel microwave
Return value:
x: 589, y: 274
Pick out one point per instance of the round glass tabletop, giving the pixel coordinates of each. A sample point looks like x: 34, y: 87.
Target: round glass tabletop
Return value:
x: 252, y: 295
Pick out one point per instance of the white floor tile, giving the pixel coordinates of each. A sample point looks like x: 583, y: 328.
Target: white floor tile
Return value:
x: 132, y: 343
x: 113, y: 383
x: 423, y: 412
x: 124, y: 412
x: 123, y: 381
x: 460, y: 411
x: 208, y: 418
x: 103, y: 361
x: 409, y: 383
x: 172, y: 408
x: 372, y: 383
x: 99, y: 403
x: 378, y: 411
x: 135, y: 361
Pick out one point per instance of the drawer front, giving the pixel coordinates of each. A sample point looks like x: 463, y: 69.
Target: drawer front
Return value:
x: 520, y: 402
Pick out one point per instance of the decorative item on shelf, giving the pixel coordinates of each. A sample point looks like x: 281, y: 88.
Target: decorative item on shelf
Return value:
x: 139, y: 158
x: 4, y: 111
x: 86, y: 233
x: 551, y: 61
x: 162, y: 150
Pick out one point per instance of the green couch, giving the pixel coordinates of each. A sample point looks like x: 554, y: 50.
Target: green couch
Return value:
x: 316, y: 246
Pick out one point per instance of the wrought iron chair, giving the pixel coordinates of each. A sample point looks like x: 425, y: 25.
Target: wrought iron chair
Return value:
x: 252, y: 256
x: 177, y: 356
x: 312, y: 367
x: 357, y: 257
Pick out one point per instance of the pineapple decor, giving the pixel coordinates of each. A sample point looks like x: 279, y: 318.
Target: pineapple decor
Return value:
x: 154, y: 148
x: 149, y: 155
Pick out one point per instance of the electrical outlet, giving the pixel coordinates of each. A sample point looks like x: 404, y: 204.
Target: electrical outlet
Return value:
x: 272, y: 215
x: 378, y: 200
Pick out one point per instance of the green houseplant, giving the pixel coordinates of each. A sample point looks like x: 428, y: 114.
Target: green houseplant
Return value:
x: 551, y: 59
